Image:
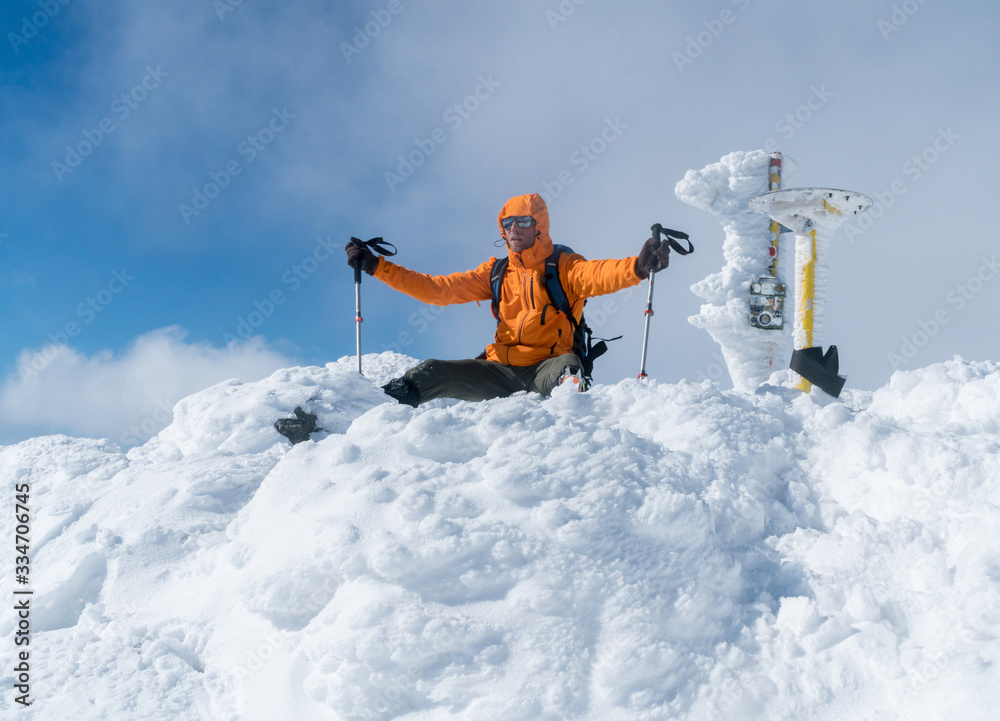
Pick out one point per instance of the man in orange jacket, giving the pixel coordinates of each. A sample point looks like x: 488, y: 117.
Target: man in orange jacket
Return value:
x: 533, y: 347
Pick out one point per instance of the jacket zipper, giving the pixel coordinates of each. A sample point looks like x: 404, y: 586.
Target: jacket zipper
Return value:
x: 524, y: 295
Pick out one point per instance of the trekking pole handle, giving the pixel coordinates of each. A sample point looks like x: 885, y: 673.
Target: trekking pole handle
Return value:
x: 651, y: 266
x: 378, y: 245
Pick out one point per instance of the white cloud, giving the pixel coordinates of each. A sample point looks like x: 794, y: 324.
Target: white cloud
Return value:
x: 125, y: 397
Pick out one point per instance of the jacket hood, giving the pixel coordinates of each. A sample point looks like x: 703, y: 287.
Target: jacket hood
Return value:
x: 533, y: 205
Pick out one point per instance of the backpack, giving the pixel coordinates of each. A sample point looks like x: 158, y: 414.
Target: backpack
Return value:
x: 583, y: 346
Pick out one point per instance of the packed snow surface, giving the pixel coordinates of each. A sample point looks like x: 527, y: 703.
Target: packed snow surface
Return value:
x: 640, y: 551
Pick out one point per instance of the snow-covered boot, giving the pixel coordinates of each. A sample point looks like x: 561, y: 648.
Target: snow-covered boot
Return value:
x: 573, y: 377
x: 403, y: 390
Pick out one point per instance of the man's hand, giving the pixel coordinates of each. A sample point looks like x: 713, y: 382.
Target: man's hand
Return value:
x: 369, y: 261
x: 654, y: 257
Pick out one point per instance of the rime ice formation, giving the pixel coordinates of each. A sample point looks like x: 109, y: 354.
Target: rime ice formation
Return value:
x: 723, y: 189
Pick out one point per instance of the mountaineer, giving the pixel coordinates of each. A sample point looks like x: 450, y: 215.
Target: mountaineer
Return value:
x: 541, y: 339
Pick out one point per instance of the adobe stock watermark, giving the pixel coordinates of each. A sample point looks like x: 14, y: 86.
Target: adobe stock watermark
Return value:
x: 364, y: 35
x: 912, y: 170
x: 901, y: 14
x: 563, y: 12
x: 31, y: 25
x: 978, y: 622
x: 250, y: 149
x: 957, y: 298
x: 419, y: 321
x: 292, y: 279
x: 121, y: 108
x: 87, y: 311
x: 698, y: 44
x: 602, y: 308
x: 407, y: 680
x: 259, y: 655
x: 717, y: 371
x: 224, y: 7
x: 583, y: 158
x: 161, y: 415
x: 795, y: 120
x: 453, y: 117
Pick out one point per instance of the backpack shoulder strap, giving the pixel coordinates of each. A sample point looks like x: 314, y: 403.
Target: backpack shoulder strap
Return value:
x: 496, y: 283
x: 582, y: 334
x: 553, y: 283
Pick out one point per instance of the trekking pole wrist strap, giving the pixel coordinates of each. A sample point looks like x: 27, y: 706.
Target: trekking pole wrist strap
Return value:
x: 379, y: 245
x: 671, y: 237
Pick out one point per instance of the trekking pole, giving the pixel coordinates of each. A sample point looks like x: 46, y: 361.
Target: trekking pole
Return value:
x: 381, y: 247
x: 358, y: 320
x: 657, y: 228
x: 645, y: 334
x: 652, y: 266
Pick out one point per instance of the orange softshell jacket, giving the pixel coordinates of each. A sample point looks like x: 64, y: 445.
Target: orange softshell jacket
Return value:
x: 531, y: 329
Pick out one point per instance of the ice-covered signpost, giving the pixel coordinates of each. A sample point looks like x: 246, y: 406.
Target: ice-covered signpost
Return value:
x: 813, y: 214
x: 746, y: 303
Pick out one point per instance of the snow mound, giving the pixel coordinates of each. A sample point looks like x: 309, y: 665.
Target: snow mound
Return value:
x: 723, y: 189
x: 641, y: 551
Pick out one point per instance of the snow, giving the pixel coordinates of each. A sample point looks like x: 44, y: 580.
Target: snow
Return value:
x: 752, y: 355
x: 641, y: 551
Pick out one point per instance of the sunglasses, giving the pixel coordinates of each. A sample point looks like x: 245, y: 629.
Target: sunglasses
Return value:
x: 523, y: 221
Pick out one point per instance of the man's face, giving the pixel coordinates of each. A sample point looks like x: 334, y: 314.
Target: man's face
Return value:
x: 520, y: 239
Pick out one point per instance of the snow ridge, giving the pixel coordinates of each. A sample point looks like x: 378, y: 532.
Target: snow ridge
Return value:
x: 641, y: 551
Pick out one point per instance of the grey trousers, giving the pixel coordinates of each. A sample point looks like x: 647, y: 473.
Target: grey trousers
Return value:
x: 479, y: 380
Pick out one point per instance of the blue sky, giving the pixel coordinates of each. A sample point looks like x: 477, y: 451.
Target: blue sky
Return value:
x: 174, y: 174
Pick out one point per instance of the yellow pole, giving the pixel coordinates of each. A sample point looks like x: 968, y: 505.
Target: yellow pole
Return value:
x: 806, y: 293
x: 813, y: 213
x: 775, y: 234
x: 774, y: 183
